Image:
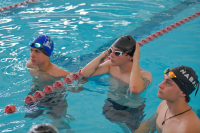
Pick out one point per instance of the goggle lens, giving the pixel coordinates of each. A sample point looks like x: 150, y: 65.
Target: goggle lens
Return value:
x: 117, y: 53
x: 38, y: 45
x: 171, y: 75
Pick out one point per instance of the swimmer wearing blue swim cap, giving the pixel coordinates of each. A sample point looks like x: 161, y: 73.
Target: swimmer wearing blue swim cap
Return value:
x: 41, y: 50
x: 44, y: 43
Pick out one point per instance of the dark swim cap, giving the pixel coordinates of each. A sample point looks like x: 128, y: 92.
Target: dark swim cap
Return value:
x: 46, y: 41
x: 125, y: 43
x: 188, y: 77
x: 43, y: 128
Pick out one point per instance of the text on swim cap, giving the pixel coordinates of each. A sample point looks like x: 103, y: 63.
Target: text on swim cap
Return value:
x: 190, y: 78
x: 47, y: 44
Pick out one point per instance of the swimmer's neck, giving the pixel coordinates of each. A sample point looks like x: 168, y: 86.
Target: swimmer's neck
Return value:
x: 126, y: 68
x: 177, y: 107
x: 45, y: 66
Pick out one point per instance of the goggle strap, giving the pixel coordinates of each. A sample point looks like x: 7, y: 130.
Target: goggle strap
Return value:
x: 166, y: 71
x: 197, y: 89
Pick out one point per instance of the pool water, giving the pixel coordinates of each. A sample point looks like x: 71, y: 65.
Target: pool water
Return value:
x: 81, y: 30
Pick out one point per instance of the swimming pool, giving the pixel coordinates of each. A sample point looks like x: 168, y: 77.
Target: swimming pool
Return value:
x: 81, y: 31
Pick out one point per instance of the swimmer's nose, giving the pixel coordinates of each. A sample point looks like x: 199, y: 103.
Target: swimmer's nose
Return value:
x: 32, y: 54
x: 160, y: 85
x: 112, y: 54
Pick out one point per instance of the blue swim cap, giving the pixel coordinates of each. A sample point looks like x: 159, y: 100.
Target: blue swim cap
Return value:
x: 44, y: 40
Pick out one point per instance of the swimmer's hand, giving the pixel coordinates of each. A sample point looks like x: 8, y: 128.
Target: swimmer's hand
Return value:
x: 108, y: 50
x: 136, y: 54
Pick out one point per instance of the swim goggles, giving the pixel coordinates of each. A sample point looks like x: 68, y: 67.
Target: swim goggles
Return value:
x: 40, y: 47
x: 172, y: 75
x: 117, y: 53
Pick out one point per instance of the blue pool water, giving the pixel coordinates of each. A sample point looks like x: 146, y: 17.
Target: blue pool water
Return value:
x: 81, y: 30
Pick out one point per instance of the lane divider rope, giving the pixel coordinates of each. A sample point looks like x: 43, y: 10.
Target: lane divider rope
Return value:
x: 18, y: 4
x: 168, y: 28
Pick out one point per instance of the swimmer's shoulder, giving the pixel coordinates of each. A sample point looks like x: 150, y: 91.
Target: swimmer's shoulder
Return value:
x: 56, y: 71
x: 146, y: 74
x: 161, y: 106
x: 190, y: 122
x: 29, y: 64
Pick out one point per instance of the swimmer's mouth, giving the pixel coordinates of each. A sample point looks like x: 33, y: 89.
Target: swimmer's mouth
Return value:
x: 112, y: 60
x: 32, y: 60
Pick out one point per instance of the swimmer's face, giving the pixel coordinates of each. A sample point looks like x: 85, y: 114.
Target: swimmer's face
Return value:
x: 37, y: 57
x: 169, y: 90
x: 118, y: 57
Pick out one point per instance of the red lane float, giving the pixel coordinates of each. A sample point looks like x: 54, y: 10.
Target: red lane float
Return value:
x: 10, y: 109
x: 49, y: 89
x: 68, y: 80
x: 76, y: 76
x: 58, y: 85
x: 29, y: 99
x: 168, y: 28
x: 18, y: 4
x: 39, y: 95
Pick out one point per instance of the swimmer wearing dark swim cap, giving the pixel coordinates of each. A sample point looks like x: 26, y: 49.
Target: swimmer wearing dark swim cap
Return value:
x: 174, y: 114
x: 43, y: 128
x: 125, y: 44
x: 185, y: 77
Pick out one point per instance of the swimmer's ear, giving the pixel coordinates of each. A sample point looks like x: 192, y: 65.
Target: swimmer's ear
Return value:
x: 183, y: 94
x: 130, y: 58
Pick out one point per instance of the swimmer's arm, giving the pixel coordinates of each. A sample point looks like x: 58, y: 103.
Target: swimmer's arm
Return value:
x: 95, y: 67
x: 59, y: 72
x: 139, y: 79
x: 148, y: 125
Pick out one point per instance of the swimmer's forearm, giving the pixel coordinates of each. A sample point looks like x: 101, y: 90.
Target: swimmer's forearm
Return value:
x: 91, y: 67
x: 144, y: 128
x: 136, y: 82
x: 148, y: 125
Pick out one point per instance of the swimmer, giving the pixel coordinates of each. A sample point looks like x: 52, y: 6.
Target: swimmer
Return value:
x: 174, y: 115
x: 124, y: 64
x: 43, y: 128
x: 39, y: 65
x: 44, y: 73
x: 124, y: 104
